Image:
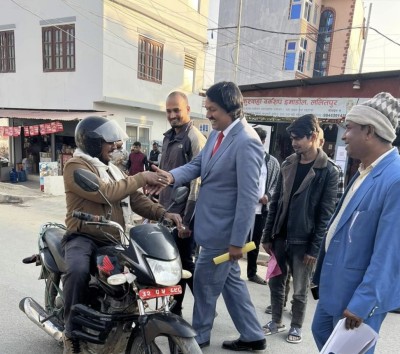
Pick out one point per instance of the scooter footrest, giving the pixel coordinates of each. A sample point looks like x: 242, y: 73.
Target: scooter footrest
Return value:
x: 91, y: 338
x: 90, y: 323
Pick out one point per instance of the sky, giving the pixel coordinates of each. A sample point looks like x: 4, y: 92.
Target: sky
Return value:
x: 380, y: 53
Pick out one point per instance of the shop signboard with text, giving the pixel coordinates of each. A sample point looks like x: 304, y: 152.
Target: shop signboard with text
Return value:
x: 323, y: 108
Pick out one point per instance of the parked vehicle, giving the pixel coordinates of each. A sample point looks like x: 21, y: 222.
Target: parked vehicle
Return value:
x: 4, y: 161
x: 131, y: 291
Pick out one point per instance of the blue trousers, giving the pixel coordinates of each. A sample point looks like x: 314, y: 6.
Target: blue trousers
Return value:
x: 323, y: 325
x: 210, y: 281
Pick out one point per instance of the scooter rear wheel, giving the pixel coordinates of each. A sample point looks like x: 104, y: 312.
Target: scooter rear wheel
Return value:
x: 166, y: 345
x: 50, y: 294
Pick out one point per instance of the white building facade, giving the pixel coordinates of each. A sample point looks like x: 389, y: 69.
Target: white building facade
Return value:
x: 121, y: 57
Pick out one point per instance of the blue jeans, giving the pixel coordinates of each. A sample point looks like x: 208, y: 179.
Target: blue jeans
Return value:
x: 323, y: 325
x: 290, y: 257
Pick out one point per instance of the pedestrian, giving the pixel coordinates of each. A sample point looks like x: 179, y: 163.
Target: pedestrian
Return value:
x: 268, y: 180
x: 229, y: 167
x: 120, y: 156
x: 137, y: 161
x: 154, y: 157
x: 95, y: 140
x: 340, y: 192
x: 358, y: 266
x: 181, y: 144
x: 299, y: 212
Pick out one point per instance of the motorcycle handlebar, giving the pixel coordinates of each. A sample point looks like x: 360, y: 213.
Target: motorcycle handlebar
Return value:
x: 88, y: 217
x: 168, y: 223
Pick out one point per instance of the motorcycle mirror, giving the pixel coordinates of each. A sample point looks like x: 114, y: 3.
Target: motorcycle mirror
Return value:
x: 180, y: 195
x: 87, y: 180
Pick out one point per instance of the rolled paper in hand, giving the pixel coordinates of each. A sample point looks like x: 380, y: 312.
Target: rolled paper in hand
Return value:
x: 225, y: 257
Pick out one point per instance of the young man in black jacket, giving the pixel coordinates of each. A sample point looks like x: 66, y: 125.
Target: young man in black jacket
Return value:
x: 298, y: 215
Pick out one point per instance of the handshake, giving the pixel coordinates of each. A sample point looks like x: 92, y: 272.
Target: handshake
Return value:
x: 156, y: 181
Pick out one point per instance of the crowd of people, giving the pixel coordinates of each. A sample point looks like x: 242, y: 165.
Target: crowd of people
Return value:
x: 343, y: 242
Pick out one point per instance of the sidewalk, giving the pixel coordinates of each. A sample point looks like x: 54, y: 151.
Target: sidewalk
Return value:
x: 20, y: 192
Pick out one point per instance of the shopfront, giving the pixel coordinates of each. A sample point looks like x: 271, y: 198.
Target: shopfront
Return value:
x: 276, y: 104
x: 40, y: 142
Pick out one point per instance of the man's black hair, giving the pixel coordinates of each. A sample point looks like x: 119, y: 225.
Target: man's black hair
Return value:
x: 228, y: 96
x: 304, y: 126
x: 261, y: 133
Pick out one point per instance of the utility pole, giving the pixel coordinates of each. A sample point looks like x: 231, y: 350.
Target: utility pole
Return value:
x: 365, y: 40
x: 236, y: 63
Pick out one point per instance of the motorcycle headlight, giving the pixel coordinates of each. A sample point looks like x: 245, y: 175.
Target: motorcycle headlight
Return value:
x: 166, y: 273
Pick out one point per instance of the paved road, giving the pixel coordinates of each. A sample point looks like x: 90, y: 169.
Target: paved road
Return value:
x: 19, y: 225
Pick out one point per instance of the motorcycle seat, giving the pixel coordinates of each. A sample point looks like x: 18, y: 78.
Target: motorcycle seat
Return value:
x: 53, y: 237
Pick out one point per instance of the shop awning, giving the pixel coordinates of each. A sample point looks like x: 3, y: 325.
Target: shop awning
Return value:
x: 50, y: 115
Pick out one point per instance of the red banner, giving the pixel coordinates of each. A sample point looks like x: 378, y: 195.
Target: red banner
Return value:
x: 60, y: 127
x: 7, y: 131
x: 48, y: 128
x: 34, y: 130
x: 42, y: 128
x: 17, y: 131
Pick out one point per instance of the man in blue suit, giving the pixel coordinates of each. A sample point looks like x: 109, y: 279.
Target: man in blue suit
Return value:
x: 358, y: 267
x: 229, y: 166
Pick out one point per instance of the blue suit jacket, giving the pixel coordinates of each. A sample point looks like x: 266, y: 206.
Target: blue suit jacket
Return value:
x: 361, y: 269
x: 228, y: 193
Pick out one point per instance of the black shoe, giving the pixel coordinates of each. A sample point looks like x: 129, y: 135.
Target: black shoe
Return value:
x: 176, y: 311
x: 257, y: 279
x: 240, y: 346
x: 204, y: 344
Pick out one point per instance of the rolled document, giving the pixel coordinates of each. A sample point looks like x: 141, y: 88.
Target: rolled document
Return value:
x: 225, y: 257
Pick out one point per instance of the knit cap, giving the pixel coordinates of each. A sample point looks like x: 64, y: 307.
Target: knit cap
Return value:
x: 382, y: 112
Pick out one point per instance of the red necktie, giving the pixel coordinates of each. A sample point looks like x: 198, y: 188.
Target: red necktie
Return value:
x: 218, y: 143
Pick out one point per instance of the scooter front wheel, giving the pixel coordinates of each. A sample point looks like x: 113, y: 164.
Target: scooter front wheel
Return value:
x: 166, y: 344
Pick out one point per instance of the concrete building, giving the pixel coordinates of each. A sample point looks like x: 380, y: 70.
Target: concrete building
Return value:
x: 285, y: 40
x: 62, y: 61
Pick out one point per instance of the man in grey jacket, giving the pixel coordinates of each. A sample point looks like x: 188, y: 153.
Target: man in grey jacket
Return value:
x: 267, y: 184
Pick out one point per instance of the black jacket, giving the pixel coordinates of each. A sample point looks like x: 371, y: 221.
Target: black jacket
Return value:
x: 310, y: 208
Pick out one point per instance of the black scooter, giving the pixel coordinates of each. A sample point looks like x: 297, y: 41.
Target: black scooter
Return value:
x: 131, y: 292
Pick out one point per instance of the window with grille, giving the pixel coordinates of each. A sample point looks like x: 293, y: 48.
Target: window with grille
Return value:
x: 150, y: 61
x: 204, y: 128
x: 58, y: 48
x: 7, y: 52
x: 188, y: 73
x: 326, y: 25
x: 295, y: 9
x: 307, y: 9
x: 290, y: 55
x: 302, y: 54
x: 141, y: 134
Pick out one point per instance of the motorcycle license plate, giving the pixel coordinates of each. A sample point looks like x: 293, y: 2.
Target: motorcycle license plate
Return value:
x: 159, y: 292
